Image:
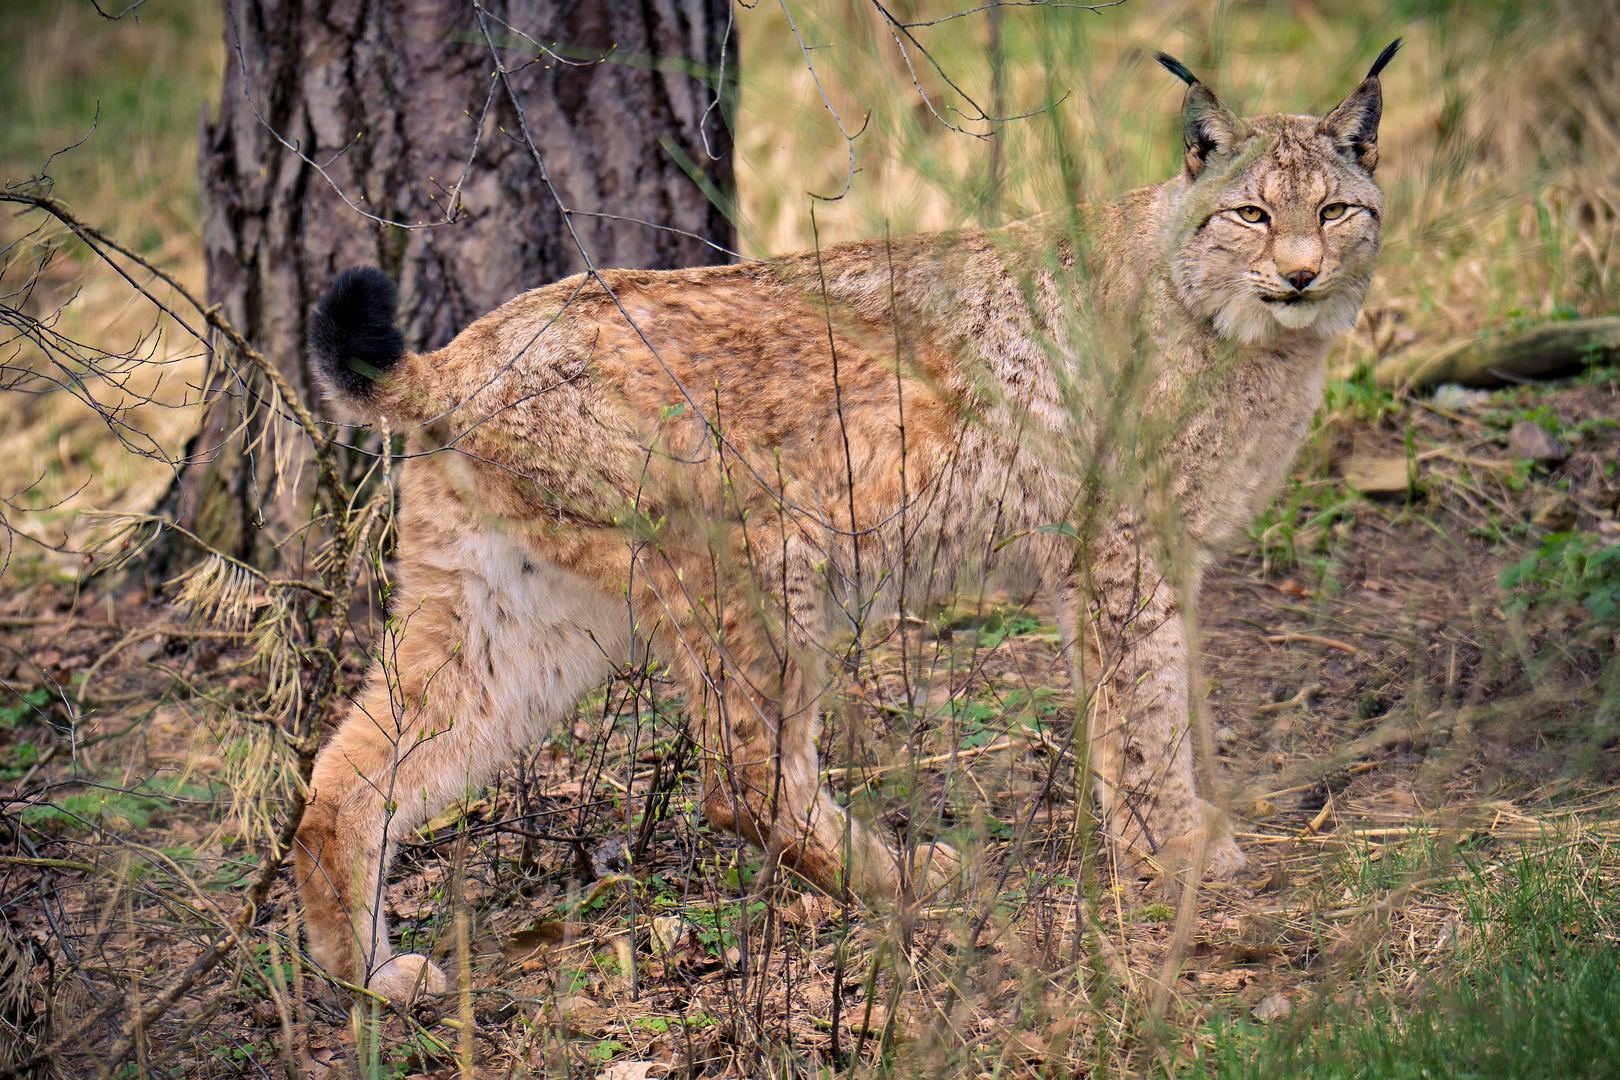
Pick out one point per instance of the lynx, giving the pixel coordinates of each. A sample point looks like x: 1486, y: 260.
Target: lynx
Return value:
x: 728, y: 465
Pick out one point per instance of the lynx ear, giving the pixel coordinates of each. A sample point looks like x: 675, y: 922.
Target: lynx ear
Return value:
x: 1353, y: 126
x: 1209, y: 126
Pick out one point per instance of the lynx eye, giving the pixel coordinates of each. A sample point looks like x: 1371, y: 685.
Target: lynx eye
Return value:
x: 1252, y: 214
x: 1333, y: 211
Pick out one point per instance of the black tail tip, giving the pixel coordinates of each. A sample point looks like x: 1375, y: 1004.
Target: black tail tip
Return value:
x: 1177, y: 68
x: 352, y: 335
x: 1384, y: 58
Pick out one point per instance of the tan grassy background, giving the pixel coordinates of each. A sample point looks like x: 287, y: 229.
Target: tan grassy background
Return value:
x: 132, y: 91
x: 1500, y: 149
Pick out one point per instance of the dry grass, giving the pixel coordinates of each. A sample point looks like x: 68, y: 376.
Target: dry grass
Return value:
x: 1498, y: 141
x: 129, y: 94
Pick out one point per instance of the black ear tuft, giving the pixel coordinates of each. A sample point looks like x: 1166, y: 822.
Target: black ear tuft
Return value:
x: 1384, y: 58
x: 352, y: 336
x: 1353, y: 126
x: 1210, y: 127
x: 1176, y: 68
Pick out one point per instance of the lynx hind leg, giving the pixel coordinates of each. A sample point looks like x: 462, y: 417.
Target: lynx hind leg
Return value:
x: 789, y: 812
x: 388, y: 769
x: 755, y: 707
x: 477, y: 670
x: 1141, y: 743
x: 760, y: 767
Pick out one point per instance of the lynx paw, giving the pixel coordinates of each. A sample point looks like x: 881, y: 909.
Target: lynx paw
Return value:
x: 1224, y: 859
x: 934, y: 869
x: 405, y: 976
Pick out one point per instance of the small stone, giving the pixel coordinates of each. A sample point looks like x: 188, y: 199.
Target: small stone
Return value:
x: 1272, y: 1008
x: 1529, y: 441
x: 1226, y: 739
x: 1455, y: 396
x: 1555, y: 513
x: 1377, y: 475
x: 1260, y: 810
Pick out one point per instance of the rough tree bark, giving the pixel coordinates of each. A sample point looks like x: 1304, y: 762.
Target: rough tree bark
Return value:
x: 397, y: 100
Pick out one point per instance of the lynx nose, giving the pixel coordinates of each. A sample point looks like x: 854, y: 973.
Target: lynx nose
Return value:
x: 1300, y: 278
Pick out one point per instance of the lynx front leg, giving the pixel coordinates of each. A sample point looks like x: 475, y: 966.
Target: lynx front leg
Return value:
x: 761, y: 781
x: 1141, y: 742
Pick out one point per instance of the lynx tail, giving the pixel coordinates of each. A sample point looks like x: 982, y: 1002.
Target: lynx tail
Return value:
x: 352, y: 337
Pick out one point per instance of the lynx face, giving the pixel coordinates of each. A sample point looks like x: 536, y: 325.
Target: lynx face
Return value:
x: 1291, y: 242
x: 1281, y: 218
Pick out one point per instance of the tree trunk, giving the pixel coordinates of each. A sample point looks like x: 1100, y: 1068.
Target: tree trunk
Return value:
x: 398, y: 103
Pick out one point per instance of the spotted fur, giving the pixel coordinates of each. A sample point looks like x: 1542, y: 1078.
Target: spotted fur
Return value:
x: 729, y: 464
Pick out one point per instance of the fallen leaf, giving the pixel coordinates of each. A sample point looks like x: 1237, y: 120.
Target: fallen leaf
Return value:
x: 1027, y: 1045
x: 1274, y: 1007
x: 452, y: 814
x: 566, y: 789
x: 1401, y: 798
x: 809, y: 910
x: 524, y: 943
x: 579, y: 1014
x: 624, y: 951
x: 1236, y: 955
x: 1556, y: 512
x: 1260, y: 810
x: 666, y: 933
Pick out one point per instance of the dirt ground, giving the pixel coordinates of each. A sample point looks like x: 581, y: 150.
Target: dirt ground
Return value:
x: 1377, y: 702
